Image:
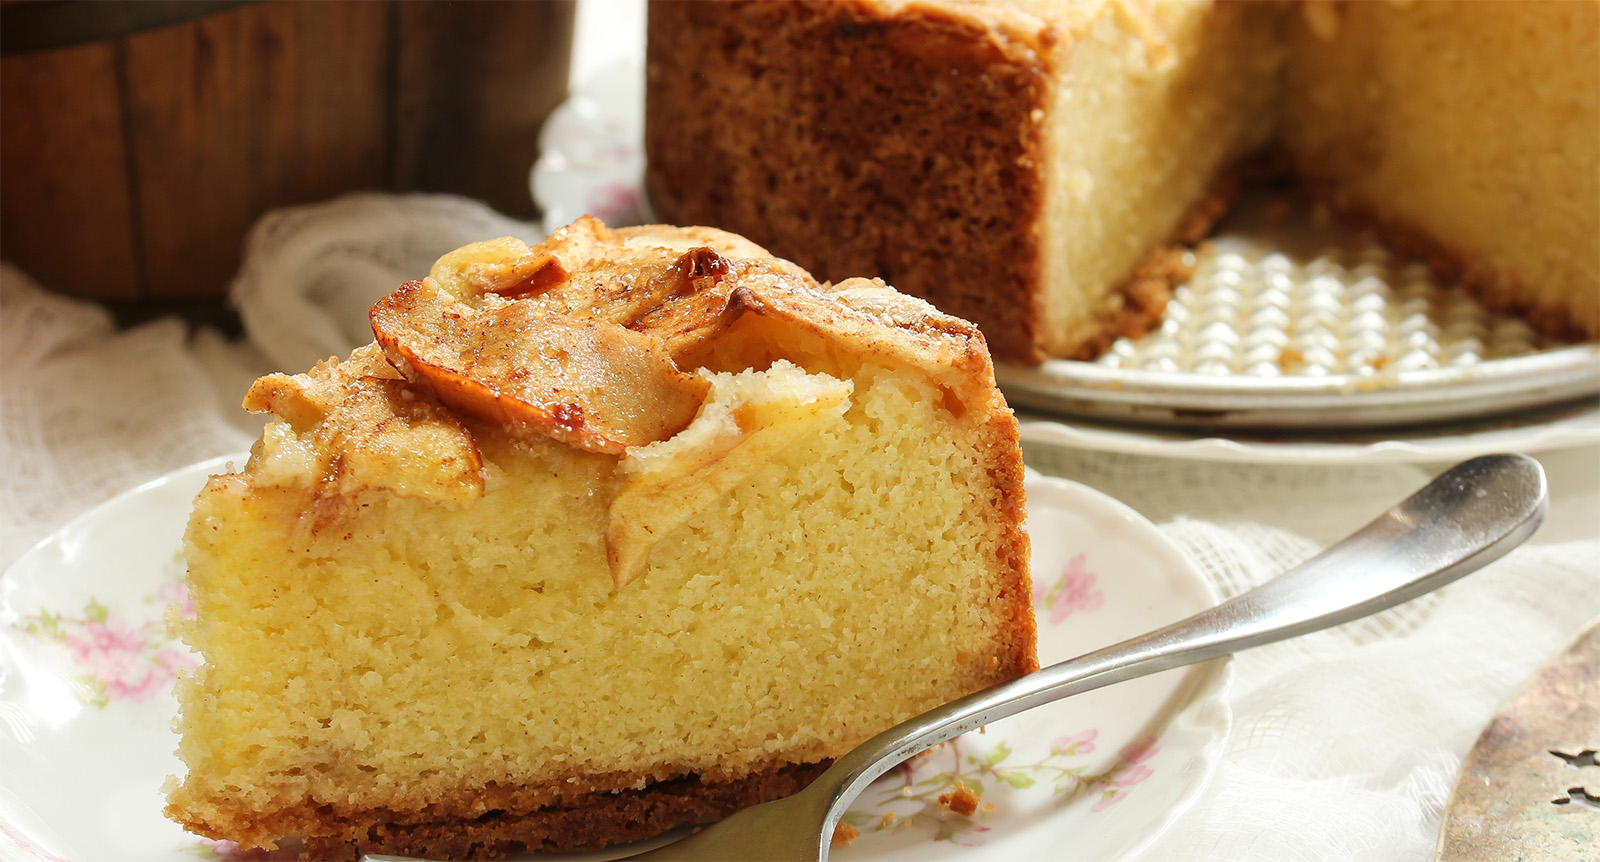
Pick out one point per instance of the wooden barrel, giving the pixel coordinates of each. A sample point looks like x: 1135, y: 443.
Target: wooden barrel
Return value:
x: 135, y: 160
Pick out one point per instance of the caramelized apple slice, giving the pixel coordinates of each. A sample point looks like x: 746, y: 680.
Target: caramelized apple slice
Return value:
x: 390, y: 438
x: 511, y: 268
x: 355, y: 425
x: 834, y: 329
x: 589, y: 383
x: 303, y: 400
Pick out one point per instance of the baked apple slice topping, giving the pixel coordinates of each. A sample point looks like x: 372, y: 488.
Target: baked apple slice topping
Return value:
x: 590, y: 383
x: 355, y: 425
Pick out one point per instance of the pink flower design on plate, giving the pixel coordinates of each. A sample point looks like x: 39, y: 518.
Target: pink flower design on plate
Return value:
x: 1074, y: 590
x: 176, y: 594
x: 119, y: 660
x: 1081, y: 742
x: 225, y: 849
x: 1131, y: 769
x: 106, y: 648
x: 113, y: 653
x: 1140, y: 750
x: 22, y: 843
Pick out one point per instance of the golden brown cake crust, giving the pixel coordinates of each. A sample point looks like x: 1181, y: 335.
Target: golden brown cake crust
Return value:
x: 1019, y: 636
x: 857, y: 182
x: 587, y: 823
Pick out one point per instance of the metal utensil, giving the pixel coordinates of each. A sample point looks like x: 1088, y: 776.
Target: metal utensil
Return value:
x: 1530, y: 787
x: 1469, y: 516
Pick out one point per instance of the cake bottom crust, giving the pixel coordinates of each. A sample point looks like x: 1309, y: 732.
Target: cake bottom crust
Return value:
x: 586, y: 823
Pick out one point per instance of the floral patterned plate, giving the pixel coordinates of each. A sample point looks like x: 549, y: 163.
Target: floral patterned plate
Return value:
x: 86, y: 670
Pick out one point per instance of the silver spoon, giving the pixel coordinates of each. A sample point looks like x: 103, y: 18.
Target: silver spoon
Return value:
x: 1468, y: 517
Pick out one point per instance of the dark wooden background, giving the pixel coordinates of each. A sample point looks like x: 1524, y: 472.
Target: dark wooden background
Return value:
x: 133, y: 166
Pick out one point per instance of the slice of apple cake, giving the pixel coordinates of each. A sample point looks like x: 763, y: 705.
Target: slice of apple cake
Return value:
x: 600, y: 537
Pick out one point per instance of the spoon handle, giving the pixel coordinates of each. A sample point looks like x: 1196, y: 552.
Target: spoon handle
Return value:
x: 1466, y: 518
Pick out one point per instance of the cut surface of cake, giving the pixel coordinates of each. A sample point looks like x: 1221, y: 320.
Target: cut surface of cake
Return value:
x: 1469, y: 134
x: 1031, y: 164
x: 601, y: 537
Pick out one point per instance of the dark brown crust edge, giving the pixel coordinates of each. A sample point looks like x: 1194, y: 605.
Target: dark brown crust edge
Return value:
x: 870, y: 97
x: 588, y: 823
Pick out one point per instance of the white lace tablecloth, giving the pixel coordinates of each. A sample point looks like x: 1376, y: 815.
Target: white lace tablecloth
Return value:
x: 1346, y: 742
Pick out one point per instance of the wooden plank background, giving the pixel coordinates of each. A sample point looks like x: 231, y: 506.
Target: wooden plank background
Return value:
x: 470, y: 98
x: 132, y: 169
x: 66, y: 214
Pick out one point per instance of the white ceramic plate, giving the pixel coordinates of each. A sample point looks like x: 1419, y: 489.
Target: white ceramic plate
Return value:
x: 1375, y: 343
x: 86, y: 669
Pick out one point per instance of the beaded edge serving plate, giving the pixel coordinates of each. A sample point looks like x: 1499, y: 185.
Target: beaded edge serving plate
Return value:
x: 1290, y: 323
